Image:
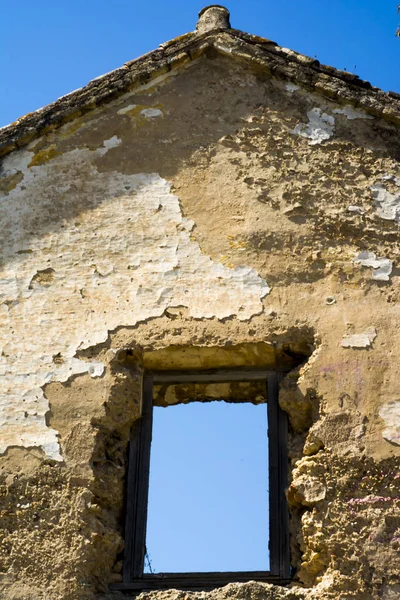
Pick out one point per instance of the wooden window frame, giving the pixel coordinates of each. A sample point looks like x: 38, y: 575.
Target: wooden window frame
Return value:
x: 134, y: 578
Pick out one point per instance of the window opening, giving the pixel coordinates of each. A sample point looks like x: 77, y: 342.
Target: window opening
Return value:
x: 208, y: 490
x: 139, y: 570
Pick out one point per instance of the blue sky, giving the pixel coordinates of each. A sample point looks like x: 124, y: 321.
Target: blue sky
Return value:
x: 208, y: 502
x: 49, y: 48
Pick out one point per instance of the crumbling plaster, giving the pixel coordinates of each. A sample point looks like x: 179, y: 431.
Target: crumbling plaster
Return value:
x: 143, y: 261
x: 228, y: 203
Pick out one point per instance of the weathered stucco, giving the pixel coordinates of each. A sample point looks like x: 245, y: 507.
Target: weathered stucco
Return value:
x: 216, y: 216
x: 143, y: 261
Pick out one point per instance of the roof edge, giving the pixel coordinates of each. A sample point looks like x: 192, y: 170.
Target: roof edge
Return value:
x: 104, y: 89
x: 336, y: 85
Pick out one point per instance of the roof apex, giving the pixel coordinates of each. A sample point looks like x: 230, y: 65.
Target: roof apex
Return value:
x: 213, y: 32
x: 212, y: 17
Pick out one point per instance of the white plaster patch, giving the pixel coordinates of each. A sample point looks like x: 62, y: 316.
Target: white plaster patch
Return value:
x: 96, y: 369
x: 13, y: 164
x: 118, y: 251
x: 319, y: 127
x: 382, y: 267
x: 356, y: 209
x: 388, y: 204
x: 126, y: 109
x: 113, y: 142
x: 291, y: 87
x: 390, y: 413
x: 352, y: 113
x: 150, y: 113
x: 359, y: 340
x: 391, y: 177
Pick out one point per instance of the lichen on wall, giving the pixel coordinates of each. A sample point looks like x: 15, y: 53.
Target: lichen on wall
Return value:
x: 121, y: 253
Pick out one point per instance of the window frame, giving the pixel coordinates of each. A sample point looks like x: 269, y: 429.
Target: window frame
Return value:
x: 133, y: 576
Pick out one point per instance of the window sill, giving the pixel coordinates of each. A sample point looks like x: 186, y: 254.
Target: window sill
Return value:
x: 197, y: 581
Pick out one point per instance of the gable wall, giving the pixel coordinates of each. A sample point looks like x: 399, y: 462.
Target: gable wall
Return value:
x: 217, y: 208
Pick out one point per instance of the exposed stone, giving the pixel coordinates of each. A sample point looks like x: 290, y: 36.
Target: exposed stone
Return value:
x: 308, y: 491
x: 245, y: 591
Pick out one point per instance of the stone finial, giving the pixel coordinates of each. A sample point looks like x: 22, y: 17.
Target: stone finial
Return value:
x: 213, y: 17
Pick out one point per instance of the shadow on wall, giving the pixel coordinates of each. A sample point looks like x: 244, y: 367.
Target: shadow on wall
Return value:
x: 216, y: 103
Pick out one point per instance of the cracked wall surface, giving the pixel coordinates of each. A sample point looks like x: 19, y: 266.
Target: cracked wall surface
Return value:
x: 142, y: 262
x: 214, y: 217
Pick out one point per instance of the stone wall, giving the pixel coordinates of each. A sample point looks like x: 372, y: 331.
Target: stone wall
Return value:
x: 215, y: 216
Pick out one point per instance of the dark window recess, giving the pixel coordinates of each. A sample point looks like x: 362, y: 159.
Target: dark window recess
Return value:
x: 138, y: 572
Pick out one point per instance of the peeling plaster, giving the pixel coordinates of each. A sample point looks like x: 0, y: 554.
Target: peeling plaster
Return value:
x: 149, y: 113
x: 291, y: 87
x: 126, y: 109
x: 111, y: 143
x: 356, y: 209
x: 319, y: 127
x: 382, y: 267
x: 352, y: 113
x: 118, y: 251
x: 390, y: 413
x: 96, y: 369
x: 359, y: 340
x: 388, y: 204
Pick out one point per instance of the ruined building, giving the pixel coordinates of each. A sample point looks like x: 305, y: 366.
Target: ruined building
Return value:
x: 217, y: 215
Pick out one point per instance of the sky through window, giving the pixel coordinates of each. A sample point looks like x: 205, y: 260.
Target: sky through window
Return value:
x: 208, y: 492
